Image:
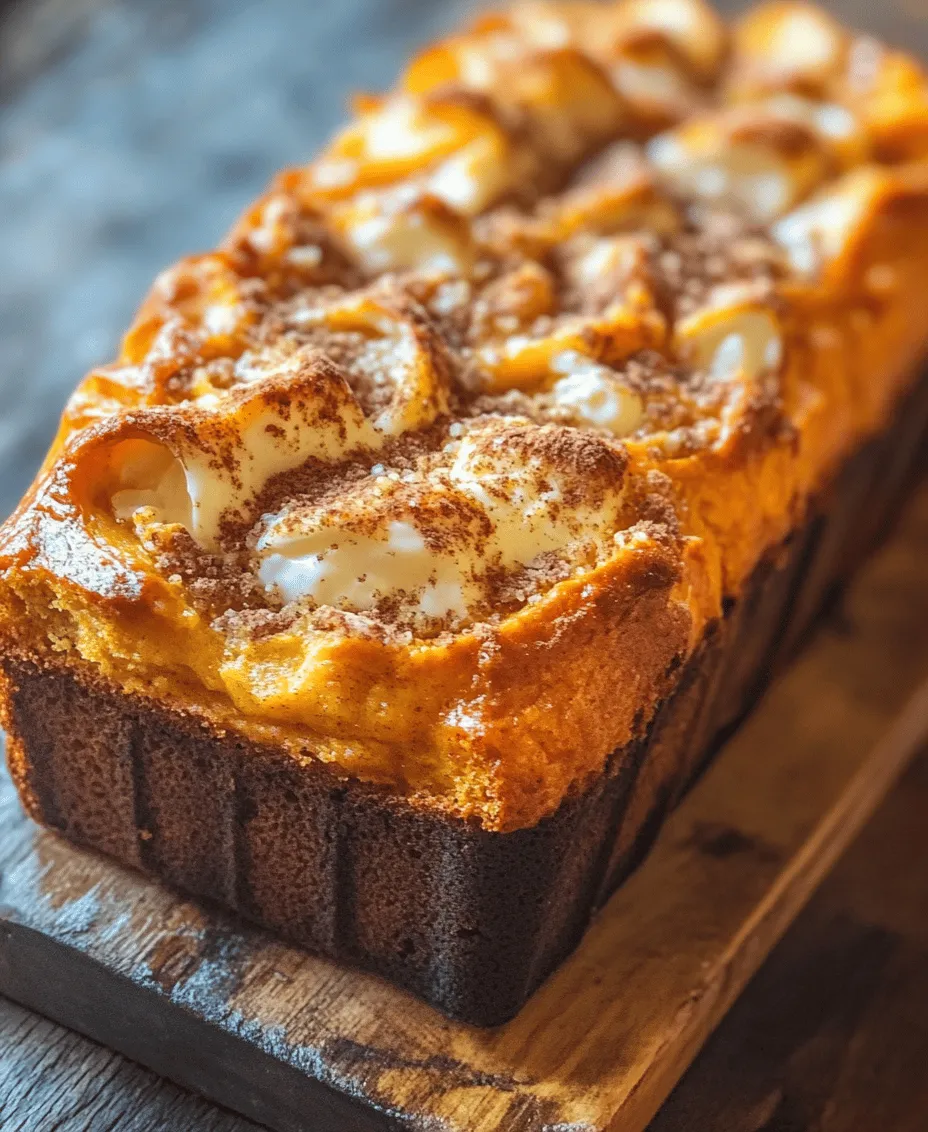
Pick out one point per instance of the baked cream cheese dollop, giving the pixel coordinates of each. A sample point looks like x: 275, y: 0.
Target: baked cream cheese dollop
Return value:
x: 596, y: 394
x: 431, y: 546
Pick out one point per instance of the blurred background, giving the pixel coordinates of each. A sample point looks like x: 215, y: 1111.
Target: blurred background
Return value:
x: 134, y: 131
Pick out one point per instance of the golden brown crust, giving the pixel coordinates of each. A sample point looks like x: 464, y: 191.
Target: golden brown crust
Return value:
x: 583, y: 374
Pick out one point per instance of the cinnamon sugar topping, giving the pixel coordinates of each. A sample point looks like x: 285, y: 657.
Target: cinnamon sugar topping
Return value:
x: 415, y: 385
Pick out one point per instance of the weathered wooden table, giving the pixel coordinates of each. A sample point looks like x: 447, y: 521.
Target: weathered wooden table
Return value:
x: 132, y: 132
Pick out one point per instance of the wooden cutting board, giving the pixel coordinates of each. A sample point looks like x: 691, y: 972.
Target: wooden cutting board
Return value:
x: 296, y: 1042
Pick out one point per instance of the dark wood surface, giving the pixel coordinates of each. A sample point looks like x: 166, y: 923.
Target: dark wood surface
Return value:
x: 127, y: 137
x: 832, y: 1034
x: 55, y: 1081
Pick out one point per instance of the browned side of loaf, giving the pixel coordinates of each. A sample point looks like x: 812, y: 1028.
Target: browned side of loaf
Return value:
x: 471, y: 921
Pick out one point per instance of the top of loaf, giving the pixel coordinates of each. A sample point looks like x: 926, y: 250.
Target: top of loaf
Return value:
x: 401, y: 388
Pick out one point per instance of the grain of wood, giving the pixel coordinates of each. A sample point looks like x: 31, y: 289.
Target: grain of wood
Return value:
x: 55, y: 1081
x: 279, y: 1034
x: 832, y: 1034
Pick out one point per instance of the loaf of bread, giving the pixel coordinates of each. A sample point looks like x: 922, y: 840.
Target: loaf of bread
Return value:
x: 399, y: 574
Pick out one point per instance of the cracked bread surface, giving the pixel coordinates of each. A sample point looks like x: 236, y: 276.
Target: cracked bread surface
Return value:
x: 439, y: 469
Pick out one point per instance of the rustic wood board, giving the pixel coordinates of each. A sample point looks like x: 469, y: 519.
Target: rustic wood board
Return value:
x: 295, y: 1042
